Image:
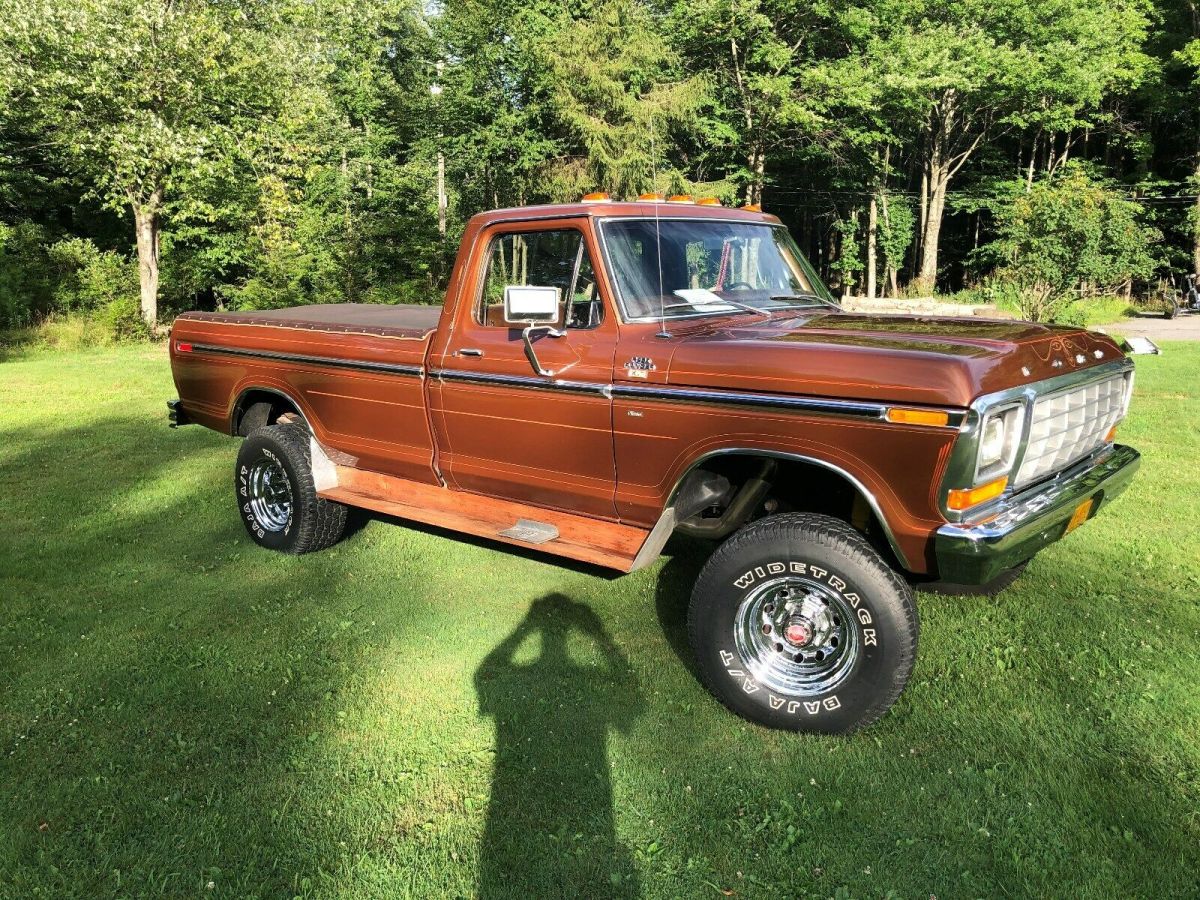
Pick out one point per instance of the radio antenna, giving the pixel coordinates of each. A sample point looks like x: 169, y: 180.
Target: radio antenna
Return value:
x: 662, y: 303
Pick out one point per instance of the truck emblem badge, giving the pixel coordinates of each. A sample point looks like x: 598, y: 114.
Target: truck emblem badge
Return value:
x: 639, y: 367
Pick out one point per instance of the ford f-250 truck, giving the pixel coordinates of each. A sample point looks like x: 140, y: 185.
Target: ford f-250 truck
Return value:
x: 604, y: 374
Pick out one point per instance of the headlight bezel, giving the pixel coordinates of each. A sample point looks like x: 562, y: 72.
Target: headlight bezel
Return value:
x: 1012, y: 418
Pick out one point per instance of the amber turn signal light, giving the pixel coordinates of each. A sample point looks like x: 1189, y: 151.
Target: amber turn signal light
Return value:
x: 1111, y: 436
x: 903, y: 415
x: 597, y: 197
x: 964, y: 498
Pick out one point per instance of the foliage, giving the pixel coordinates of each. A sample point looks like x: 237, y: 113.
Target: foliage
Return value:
x: 262, y: 155
x: 1068, y: 235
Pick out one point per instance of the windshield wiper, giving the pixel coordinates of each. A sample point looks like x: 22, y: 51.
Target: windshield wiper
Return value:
x: 737, y: 304
x: 821, y: 301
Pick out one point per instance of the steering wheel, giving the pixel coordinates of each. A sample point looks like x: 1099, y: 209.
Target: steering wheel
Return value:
x: 739, y: 286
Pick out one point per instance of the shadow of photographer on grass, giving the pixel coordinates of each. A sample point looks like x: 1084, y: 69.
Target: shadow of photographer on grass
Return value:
x: 555, y: 686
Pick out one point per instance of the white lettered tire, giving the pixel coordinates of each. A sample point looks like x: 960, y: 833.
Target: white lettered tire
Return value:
x: 798, y: 623
x: 276, y: 496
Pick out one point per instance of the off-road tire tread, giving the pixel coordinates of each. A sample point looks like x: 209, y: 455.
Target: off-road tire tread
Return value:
x: 320, y: 523
x: 812, y: 528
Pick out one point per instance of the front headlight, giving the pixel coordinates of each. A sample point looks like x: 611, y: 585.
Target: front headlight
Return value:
x: 999, y: 436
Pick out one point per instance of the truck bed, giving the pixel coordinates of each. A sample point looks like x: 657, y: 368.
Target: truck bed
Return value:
x: 355, y: 371
x: 342, y: 318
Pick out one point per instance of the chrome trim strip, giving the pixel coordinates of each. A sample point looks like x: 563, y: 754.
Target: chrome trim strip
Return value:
x: 523, y: 381
x: 799, y: 457
x: 773, y: 401
x: 855, y: 408
x: 359, y: 364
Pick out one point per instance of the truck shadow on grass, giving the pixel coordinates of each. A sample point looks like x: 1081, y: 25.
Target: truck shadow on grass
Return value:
x: 550, y: 822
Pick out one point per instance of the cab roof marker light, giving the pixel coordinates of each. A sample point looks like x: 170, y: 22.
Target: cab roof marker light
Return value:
x: 708, y: 201
x: 681, y: 198
x: 597, y: 197
x: 651, y: 198
x: 752, y: 207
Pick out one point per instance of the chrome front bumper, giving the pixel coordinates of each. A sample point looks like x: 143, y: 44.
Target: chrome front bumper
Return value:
x: 975, y: 553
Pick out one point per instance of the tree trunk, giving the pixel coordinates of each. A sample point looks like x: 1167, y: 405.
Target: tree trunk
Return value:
x: 146, y: 223
x: 939, y: 181
x: 872, y: 225
x: 757, y: 162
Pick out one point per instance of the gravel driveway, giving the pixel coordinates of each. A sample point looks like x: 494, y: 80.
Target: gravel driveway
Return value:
x: 1185, y: 327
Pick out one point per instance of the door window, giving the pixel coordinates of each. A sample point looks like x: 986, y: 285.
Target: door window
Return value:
x: 546, y: 259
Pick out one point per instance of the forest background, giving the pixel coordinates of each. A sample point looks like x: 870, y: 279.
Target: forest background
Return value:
x: 180, y: 154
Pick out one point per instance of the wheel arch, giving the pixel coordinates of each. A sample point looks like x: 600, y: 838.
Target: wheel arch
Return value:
x: 281, y: 402
x: 813, y: 464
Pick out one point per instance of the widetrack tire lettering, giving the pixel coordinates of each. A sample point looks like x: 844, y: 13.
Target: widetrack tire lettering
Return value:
x: 838, y: 585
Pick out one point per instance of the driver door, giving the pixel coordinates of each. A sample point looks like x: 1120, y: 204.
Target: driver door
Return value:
x: 503, y: 429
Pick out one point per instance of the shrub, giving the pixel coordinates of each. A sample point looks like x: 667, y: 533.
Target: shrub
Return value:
x: 26, y: 282
x: 1066, y: 232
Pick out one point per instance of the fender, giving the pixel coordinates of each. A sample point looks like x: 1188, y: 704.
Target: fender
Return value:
x: 854, y: 482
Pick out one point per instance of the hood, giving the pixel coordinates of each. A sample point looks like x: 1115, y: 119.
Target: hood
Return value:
x: 915, y: 359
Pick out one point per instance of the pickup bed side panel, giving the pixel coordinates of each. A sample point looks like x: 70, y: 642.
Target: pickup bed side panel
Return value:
x: 657, y: 441
x: 362, y: 394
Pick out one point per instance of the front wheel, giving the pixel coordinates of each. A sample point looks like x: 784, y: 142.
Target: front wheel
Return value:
x: 798, y: 623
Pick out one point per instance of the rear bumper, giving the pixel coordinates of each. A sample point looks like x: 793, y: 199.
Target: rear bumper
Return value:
x: 975, y: 553
x: 176, y: 414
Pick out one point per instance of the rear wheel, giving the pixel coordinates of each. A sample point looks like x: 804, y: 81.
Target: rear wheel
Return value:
x: 798, y: 623
x: 276, y: 495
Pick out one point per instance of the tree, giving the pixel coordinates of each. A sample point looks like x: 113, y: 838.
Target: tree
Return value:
x: 754, y: 54
x: 136, y: 95
x: 951, y: 74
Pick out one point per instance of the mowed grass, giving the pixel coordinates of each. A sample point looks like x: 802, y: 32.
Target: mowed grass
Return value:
x: 410, y: 714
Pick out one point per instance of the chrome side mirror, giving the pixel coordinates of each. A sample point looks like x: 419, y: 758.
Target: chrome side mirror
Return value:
x: 526, y: 304
x: 533, y: 307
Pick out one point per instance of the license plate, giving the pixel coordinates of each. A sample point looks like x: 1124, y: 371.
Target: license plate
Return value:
x: 1082, y: 511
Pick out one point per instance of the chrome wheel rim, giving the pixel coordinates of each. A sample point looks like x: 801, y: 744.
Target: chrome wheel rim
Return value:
x: 797, y: 637
x: 270, y: 495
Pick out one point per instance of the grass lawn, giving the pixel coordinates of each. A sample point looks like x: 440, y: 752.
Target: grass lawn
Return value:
x: 410, y: 714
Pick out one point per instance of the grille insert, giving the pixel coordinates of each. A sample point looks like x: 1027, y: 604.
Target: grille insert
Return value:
x: 1067, y: 426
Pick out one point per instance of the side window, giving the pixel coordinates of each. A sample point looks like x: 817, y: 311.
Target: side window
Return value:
x: 546, y: 259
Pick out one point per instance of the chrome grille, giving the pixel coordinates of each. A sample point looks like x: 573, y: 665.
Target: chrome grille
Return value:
x: 1069, y: 425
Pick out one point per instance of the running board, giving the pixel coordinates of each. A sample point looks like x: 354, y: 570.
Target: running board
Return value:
x: 607, y: 544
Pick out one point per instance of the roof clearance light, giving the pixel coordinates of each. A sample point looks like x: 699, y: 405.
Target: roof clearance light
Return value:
x: 753, y: 207
x: 960, y: 499
x: 653, y: 198
x: 681, y: 198
x: 597, y: 197
x: 708, y: 201
x: 905, y: 416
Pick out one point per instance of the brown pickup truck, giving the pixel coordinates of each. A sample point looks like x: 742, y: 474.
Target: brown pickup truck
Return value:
x: 604, y: 374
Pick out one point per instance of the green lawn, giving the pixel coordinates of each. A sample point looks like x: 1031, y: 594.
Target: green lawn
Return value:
x: 182, y: 714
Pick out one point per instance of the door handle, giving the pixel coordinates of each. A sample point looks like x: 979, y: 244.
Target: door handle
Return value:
x: 468, y: 351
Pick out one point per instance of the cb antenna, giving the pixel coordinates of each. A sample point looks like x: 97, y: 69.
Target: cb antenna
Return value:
x: 662, y: 303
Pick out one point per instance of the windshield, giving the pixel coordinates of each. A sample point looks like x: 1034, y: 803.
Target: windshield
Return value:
x: 688, y: 267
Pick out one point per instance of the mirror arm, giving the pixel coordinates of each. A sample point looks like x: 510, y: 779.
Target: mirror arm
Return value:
x: 531, y: 354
